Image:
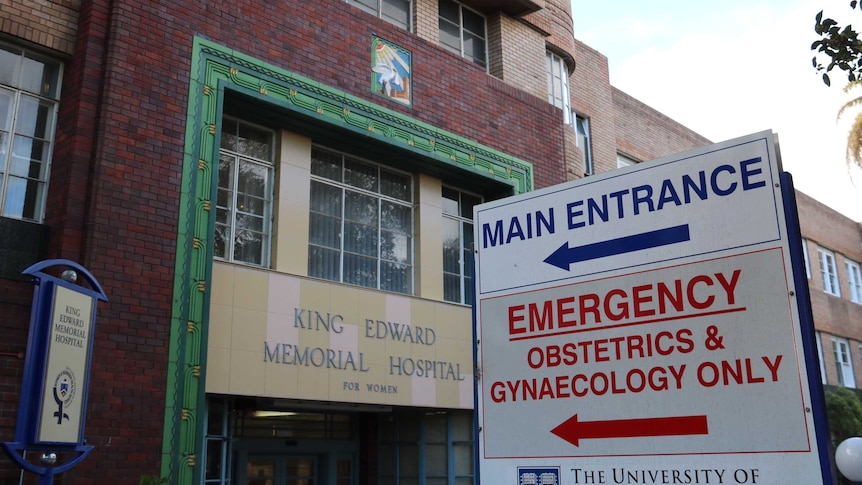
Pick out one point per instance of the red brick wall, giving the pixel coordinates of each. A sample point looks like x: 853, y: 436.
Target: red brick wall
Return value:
x: 591, y: 97
x: 115, y: 190
x: 645, y: 134
x: 15, y: 298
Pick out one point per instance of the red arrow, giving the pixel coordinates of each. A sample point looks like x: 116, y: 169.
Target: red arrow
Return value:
x: 573, y: 430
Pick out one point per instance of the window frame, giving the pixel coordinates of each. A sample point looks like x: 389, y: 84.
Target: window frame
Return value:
x: 625, y: 161
x: 241, y: 159
x: 343, y: 221
x: 819, y: 337
x: 829, y: 272
x: 805, y: 257
x: 461, y: 30
x: 218, y: 409
x: 51, y: 100
x: 558, y: 72
x: 465, y: 270
x: 854, y: 280
x: 393, y: 442
x: 843, y: 362
x: 584, y: 137
x: 379, y: 12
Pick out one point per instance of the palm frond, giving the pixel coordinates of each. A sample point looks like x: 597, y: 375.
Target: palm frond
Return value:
x: 853, y: 103
x: 854, y: 142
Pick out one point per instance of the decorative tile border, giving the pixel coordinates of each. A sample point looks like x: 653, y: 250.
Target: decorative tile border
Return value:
x: 213, y: 69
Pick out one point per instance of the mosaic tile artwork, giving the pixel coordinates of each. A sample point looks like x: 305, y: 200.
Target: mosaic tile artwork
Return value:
x: 391, y: 71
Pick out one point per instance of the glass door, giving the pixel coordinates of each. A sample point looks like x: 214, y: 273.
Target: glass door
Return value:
x: 299, y: 471
x: 260, y: 470
x: 281, y: 470
x: 344, y: 470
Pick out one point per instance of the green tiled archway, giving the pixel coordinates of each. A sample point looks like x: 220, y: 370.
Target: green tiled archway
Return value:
x: 215, y: 68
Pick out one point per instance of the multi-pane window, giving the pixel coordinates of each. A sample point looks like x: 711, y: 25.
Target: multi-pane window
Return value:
x: 393, y: 11
x: 245, y: 190
x: 29, y: 94
x: 805, y: 256
x: 462, y: 31
x: 624, y: 161
x: 582, y: 129
x: 854, y: 280
x: 843, y: 363
x: 457, y: 245
x: 217, y: 462
x: 361, y: 223
x: 820, y: 357
x: 433, y: 447
x: 558, y: 85
x: 829, y: 272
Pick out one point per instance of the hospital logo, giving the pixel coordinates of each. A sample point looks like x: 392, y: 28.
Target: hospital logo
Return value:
x: 64, y: 393
x: 539, y: 476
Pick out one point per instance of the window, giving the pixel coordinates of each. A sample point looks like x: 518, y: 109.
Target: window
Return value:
x: 29, y: 91
x: 245, y: 188
x: 457, y: 245
x: 218, y: 450
x: 854, y: 278
x: 843, y: 365
x: 829, y: 272
x: 361, y: 223
x: 582, y: 128
x: 558, y: 85
x: 820, y: 357
x: 393, y: 11
x: 624, y: 161
x: 805, y: 256
x: 462, y: 31
x: 434, y: 447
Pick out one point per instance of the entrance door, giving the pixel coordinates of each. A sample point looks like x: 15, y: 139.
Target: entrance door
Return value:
x: 281, y: 470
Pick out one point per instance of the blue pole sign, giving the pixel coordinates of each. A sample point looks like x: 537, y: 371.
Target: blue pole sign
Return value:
x: 53, y: 405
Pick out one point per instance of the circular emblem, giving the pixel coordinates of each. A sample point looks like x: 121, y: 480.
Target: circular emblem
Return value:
x: 65, y: 386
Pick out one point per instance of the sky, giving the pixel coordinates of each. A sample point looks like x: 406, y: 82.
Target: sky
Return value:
x: 731, y: 68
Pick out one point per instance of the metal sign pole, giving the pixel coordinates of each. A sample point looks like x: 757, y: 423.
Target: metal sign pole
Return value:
x: 52, y: 407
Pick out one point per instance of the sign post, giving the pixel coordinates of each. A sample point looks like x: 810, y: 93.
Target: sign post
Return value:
x: 644, y: 326
x: 53, y: 404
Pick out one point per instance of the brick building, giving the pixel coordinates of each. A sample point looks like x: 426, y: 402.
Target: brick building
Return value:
x: 833, y: 253
x: 276, y: 198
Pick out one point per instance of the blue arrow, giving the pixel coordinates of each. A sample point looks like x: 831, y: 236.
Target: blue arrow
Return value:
x: 565, y: 256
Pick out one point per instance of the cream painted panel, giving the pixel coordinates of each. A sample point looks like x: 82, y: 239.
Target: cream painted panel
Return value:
x: 222, y: 283
x: 250, y: 288
x: 284, y: 298
x: 218, y: 370
x: 466, y: 392
x: 280, y: 383
x: 424, y: 392
x: 429, y: 242
x: 292, y: 204
x: 220, y: 325
x: 246, y: 373
x: 249, y: 330
x: 315, y: 340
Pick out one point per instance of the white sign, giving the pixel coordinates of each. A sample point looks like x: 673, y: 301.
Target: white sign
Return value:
x: 66, y: 368
x: 641, y: 326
